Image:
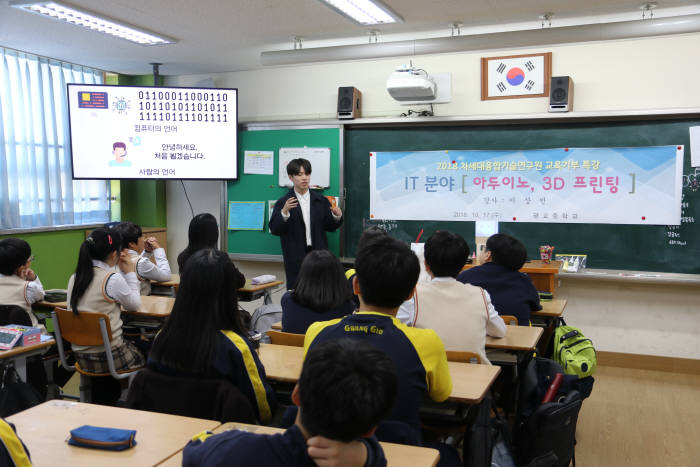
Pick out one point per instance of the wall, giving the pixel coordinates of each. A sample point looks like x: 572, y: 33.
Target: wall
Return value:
x: 634, y: 74
x: 649, y: 73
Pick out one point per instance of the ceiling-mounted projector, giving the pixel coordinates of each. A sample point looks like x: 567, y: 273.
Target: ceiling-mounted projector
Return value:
x: 411, y: 84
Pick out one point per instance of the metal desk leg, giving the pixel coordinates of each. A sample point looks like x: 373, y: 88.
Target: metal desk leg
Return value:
x: 21, y: 367
x: 267, y: 297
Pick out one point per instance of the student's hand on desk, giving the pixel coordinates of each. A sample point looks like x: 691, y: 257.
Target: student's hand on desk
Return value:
x: 291, y: 203
x: 336, y: 211
x: 125, y: 263
x: 330, y: 453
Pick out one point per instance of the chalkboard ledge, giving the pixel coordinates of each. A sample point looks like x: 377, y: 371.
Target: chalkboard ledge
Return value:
x: 255, y: 257
x: 632, y: 276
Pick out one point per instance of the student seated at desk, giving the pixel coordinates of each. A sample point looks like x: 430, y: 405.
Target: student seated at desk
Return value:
x: 140, y: 251
x: 13, y: 452
x: 387, y: 271
x: 96, y: 288
x: 370, y: 234
x: 346, y: 387
x: 19, y: 285
x: 203, y: 233
x: 321, y: 293
x: 461, y: 314
x: 512, y: 292
x: 205, y: 336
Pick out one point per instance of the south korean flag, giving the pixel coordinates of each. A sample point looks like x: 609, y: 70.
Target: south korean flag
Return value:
x: 517, y: 76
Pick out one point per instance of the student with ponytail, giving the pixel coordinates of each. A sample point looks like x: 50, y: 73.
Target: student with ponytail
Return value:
x: 96, y: 288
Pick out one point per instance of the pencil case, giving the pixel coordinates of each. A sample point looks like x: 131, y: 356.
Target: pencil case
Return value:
x: 111, y: 439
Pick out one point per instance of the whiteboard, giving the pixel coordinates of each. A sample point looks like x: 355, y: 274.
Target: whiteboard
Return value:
x: 320, y: 159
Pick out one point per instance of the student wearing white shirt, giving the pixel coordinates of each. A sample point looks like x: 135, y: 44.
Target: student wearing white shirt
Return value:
x: 301, y: 219
x: 140, y: 251
x: 461, y: 314
x: 19, y: 284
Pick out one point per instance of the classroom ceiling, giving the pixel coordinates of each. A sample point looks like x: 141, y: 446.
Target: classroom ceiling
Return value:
x: 228, y: 35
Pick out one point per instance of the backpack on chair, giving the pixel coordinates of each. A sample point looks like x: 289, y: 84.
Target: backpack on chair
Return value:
x: 573, y: 351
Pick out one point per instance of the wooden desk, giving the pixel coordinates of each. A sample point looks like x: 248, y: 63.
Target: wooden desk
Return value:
x: 19, y: 355
x: 152, y: 306
x: 469, y: 382
x: 553, y: 309
x: 397, y: 455
x: 174, y: 282
x: 277, y: 326
x: 519, y: 338
x: 45, y: 428
x: 543, y: 275
x: 250, y: 292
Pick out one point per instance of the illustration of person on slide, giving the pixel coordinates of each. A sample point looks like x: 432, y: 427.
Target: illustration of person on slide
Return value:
x: 119, y: 152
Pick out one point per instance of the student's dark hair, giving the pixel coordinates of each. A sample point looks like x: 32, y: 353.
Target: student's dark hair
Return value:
x: 446, y: 253
x: 119, y: 144
x: 14, y: 252
x: 203, y: 233
x: 321, y: 284
x: 387, y: 271
x: 295, y: 165
x: 99, y: 244
x: 346, y: 387
x: 370, y: 234
x: 507, y: 251
x: 129, y: 232
x: 205, y: 305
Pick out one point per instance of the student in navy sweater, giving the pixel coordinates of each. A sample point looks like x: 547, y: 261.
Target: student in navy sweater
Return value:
x: 346, y: 387
x: 205, y: 335
x: 322, y: 293
x: 511, y: 291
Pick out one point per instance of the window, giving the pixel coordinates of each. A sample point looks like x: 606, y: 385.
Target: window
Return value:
x: 36, y: 185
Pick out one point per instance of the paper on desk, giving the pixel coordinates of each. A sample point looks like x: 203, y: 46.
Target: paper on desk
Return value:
x: 694, y: 146
x: 259, y: 162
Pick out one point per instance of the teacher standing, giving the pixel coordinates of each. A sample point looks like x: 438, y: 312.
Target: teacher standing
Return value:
x: 301, y: 219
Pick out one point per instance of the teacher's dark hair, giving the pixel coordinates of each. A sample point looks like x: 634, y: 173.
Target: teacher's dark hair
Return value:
x: 100, y: 243
x: 203, y: 233
x: 321, y: 285
x: 295, y: 165
x: 205, y: 305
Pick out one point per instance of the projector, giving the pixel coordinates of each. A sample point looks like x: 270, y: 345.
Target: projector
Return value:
x: 411, y: 84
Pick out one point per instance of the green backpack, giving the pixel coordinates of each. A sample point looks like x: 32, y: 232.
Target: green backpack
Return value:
x: 573, y: 351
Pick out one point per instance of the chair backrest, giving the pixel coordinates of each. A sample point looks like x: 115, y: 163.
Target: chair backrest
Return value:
x: 83, y: 328
x: 213, y: 399
x: 14, y: 314
x: 463, y: 357
x: 286, y: 338
x: 510, y: 320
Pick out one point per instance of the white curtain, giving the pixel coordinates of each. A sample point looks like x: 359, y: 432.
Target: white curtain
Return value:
x: 36, y: 185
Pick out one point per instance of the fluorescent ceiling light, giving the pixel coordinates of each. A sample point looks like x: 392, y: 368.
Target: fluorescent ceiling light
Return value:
x: 72, y: 15
x: 366, y: 12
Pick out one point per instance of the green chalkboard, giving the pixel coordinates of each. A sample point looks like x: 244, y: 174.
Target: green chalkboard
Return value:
x: 650, y: 248
x: 254, y: 187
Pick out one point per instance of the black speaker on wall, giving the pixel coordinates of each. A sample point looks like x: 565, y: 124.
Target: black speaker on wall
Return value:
x: 349, y: 102
x: 561, y: 94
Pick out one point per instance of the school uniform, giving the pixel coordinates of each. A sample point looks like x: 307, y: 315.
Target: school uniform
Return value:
x: 418, y: 355
x: 461, y: 314
x: 13, y: 452
x: 235, y: 360
x: 512, y: 292
x: 146, y: 271
x: 245, y: 449
x: 105, y: 294
x: 17, y: 291
x: 297, y: 318
x: 303, y: 230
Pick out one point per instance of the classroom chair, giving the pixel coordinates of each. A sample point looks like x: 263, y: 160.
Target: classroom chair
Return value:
x: 86, y: 329
x: 510, y: 320
x: 209, y: 398
x: 286, y: 338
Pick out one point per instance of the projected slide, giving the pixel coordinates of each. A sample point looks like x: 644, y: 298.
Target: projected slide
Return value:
x: 120, y: 132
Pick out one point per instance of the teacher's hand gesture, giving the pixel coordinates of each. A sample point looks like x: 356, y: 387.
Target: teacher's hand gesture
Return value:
x: 290, y: 204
